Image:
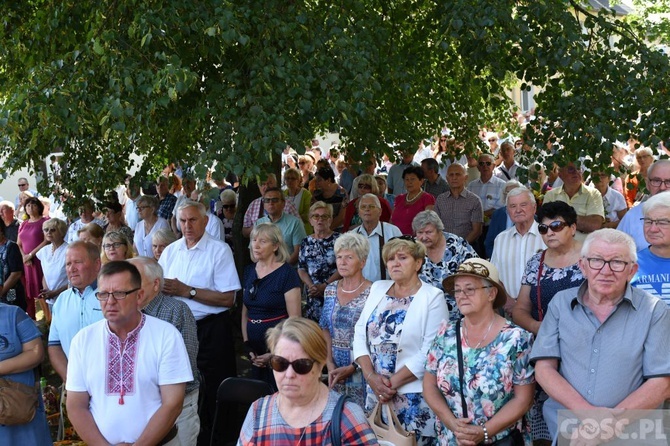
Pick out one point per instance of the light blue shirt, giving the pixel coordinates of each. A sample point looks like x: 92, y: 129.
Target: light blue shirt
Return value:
x: 72, y: 312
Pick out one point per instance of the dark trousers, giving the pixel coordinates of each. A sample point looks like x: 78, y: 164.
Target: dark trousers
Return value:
x: 479, y: 245
x: 216, y: 362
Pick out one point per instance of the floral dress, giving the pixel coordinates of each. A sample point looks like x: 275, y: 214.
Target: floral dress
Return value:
x: 340, y: 321
x: 317, y: 258
x: 384, y: 329
x: 490, y: 373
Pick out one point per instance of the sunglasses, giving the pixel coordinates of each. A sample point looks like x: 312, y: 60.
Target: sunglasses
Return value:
x: 493, y: 140
x: 555, y: 226
x: 49, y: 230
x: 254, y: 289
x: 485, y: 163
x: 228, y: 206
x: 364, y: 186
x: 300, y: 366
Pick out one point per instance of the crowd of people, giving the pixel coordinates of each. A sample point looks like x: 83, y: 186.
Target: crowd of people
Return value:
x: 441, y: 286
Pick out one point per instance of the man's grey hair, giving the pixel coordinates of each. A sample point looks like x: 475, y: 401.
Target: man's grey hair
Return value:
x: 519, y: 190
x: 150, y: 269
x: 658, y: 201
x: 373, y: 197
x: 656, y: 164
x: 610, y: 237
x: 425, y: 218
x: 192, y: 204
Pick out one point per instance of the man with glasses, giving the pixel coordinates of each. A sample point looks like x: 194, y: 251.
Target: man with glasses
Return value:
x: 435, y: 184
x: 604, y: 344
x: 489, y: 189
x: 586, y: 200
x: 291, y: 227
x: 76, y: 307
x: 24, y: 186
x: 658, y: 181
x: 127, y: 373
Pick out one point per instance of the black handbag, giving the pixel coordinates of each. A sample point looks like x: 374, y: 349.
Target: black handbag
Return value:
x: 515, y: 438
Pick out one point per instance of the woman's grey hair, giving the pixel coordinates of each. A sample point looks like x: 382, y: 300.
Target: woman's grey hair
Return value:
x: 148, y: 200
x: 369, y: 179
x: 644, y: 151
x: 610, y: 237
x: 519, y: 190
x: 192, y: 204
x: 274, y: 235
x: 164, y: 236
x: 658, y: 201
x: 425, y: 218
x: 354, y: 242
x: 373, y: 197
x: 151, y: 269
x: 228, y: 196
x: 321, y: 205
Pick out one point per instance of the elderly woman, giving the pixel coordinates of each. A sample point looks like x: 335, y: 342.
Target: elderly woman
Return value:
x: 302, y: 410
x: 31, y: 240
x: 52, y: 257
x: 392, y: 336
x: 160, y: 240
x: 228, y: 208
x: 342, y: 306
x: 497, y: 381
x: 21, y: 350
x: 328, y: 191
x: 299, y: 196
x: 116, y: 246
x: 92, y: 233
x: 366, y: 185
x: 147, y: 207
x: 411, y: 203
x: 271, y: 294
x: 444, y: 254
x: 316, y: 259
x: 116, y: 221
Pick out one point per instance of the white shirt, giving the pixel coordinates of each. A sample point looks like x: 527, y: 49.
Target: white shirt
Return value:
x: 160, y: 358
x: 53, y: 265
x: 215, y: 227
x: 209, y: 265
x: 372, y: 268
x: 142, y: 240
x: 511, y: 252
x: 490, y: 193
x: 613, y: 202
x: 132, y: 215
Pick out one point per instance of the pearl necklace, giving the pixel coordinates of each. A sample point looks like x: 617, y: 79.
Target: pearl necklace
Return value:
x: 411, y: 200
x: 355, y: 289
x: 467, y: 341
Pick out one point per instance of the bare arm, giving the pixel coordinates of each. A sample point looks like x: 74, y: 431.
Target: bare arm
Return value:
x: 521, y: 312
x: 293, y: 260
x: 546, y: 373
x: 30, y: 357
x: 58, y: 360
x: 513, y: 410
x: 243, y: 323
x: 293, y: 302
x: 82, y: 419
x: 402, y: 377
x: 589, y: 223
x: 247, y: 231
x: 172, y: 400
x: 214, y: 298
x: 338, y: 219
x: 11, y: 281
x: 476, y: 232
x: 649, y: 395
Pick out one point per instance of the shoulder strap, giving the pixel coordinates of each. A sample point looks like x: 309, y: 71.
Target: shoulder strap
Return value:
x: 382, y: 267
x: 461, y: 373
x: 336, y: 422
x: 540, y: 312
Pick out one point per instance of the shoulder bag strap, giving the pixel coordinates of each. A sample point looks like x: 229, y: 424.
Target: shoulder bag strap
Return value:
x: 382, y: 267
x: 540, y: 312
x: 461, y: 372
x: 336, y: 422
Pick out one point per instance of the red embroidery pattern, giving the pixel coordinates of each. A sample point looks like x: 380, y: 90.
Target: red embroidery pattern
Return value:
x: 121, y: 357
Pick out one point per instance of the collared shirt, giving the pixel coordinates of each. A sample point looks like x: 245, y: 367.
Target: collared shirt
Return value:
x: 506, y: 174
x: 490, y: 193
x: 587, y: 201
x: 372, y: 269
x: 209, y: 265
x: 292, y: 229
x: 172, y: 310
x: 73, y: 311
x: 631, y: 225
x: 73, y: 231
x: 166, y: 206
x: 459, y: 212
x: 511, y: 252
x: 605, y: 362
x: 254, y: 210
x: 440, y: 186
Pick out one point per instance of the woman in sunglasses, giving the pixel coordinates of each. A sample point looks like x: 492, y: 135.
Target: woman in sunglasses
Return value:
x: 116, y: 246
x: 226, y: 212
x: 479, y: 380
x: 391, y: 338
x: 548, y: 272
x: 300, y: 413
x: 271, y: 294
x: 52, y: 257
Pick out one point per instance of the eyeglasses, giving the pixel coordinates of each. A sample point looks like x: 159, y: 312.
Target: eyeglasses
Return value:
x: 321, y: 217
x: 469, y: 291
x: 300, y: 366
x: 663, y: 223
x: 367, y: 207
x: 271, y: 200
x: 112, y: 245
x: 228, y: 206
x: 615, y: 265
x: 493, y: 140
x: 407, y: 238
x: 23, y: 185
x: 117, y: 295
x: 443, y: 139
x: 485, y: 163
x: 364, y: 186
x: 555, y: 226
x: 657, y: 182
x: 141, y: 208
x: 48, y: 230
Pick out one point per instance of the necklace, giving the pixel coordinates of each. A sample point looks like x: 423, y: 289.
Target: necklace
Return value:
x: 411, y: 200
x: 465, y: 326
x: 355, y: 289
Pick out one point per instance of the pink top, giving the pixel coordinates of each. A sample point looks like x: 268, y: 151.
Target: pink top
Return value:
x: 404, y: 213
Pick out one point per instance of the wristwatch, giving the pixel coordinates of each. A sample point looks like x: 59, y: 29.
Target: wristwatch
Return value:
x: 191, y: 294
x: 355, y: 366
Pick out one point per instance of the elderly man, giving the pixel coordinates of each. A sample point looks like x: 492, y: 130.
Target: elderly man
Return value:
x: 658, y: 181
x: 459, y: 209
x: 77, y: 306
x: 586, y: 200
x: 513, y: 247
x: 256, y: 209
x: 200, y: 271
x: 435, y: 184
x: 603, y: 345
x: 508, y: 168
x: 377, y: 233
x: 127, y: 375
x: 653, y: 274
x: 167, y: 200
x: 188, y: 186
x: 155, y: 303
x: 11, y: 222
x: 292, y: 228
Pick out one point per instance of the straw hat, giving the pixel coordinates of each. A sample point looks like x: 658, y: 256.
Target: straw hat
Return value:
x: 481, y: 269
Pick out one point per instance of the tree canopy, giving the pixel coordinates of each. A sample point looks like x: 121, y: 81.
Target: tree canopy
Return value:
x: 236, y: 81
